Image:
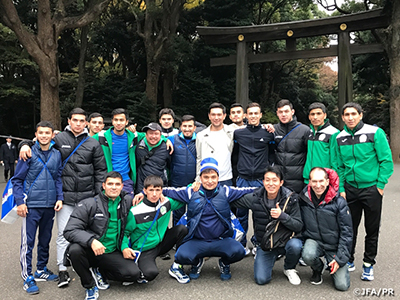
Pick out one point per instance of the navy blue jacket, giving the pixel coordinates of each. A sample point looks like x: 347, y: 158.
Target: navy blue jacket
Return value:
x: 42, y: 185
x: 183, y: 160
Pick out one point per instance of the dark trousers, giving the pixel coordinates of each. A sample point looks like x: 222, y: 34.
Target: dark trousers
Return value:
x: 368, y: 200
x: 147, y: 259
x: 8, y: 167
x: 112, y: 266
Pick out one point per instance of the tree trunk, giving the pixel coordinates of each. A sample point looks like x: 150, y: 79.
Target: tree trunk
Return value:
x: 394, y: 59
x: 81, y: 67
x: 153, y: 75
x: 168, y: 86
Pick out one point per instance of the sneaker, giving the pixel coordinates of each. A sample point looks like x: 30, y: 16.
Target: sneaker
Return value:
x: 64, y: 279
x: 165, y: 256
x: 247, y: 251
x: 45, y: 275
x: 302, y: 263
x: 279, y: 256
x: 254, y: 251
x: 126, y: 283
x: 225, y: 270
x: 101, y: 283
x: 30, y: 286
x: 368, y: 272
x: 92, y: 294
x: 142, y: 281
x: 351, y: 266
x: 195, y: 270
x: 316, y: 277
x: 179, y: 274
x: 291, y: 274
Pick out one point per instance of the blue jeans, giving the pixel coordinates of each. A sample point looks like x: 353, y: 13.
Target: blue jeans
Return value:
x: 265, y: 260
x: 242, y: 213
x: 312, y: 252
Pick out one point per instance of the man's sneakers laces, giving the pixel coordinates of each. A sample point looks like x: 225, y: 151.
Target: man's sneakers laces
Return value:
x: 178, y: 273
x: 195, y: 270
x: 30, y: 286
x: 64, y: 278
x: 92, y: 294
x: 225, y: 270
x: 101, y: 283
x: 291, y: 274
x: 351, y: 266
x: 368, y: 272
x: 45, y: 275
x: 316, y: 277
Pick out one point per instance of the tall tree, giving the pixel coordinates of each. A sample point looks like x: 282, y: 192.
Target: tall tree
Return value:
x: 52, y: 18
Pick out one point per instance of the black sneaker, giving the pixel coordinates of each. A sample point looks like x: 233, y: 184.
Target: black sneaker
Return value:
x: 64, y: 279
x: 165, y: 256
x: 316, y: 277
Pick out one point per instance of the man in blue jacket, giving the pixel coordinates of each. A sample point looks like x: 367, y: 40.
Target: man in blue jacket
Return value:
x: 208, y: 220
x: 328, y: 229
x: 37, y: 189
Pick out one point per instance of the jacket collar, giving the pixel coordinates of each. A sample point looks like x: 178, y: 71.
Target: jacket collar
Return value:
x: 357, y: 128
x: 333, y: 187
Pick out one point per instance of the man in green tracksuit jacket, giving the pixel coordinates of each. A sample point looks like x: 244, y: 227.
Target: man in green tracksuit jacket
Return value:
x: 321, y: 141
x: 119, y: 146
x: 364, y: 166
x: 147, y: 229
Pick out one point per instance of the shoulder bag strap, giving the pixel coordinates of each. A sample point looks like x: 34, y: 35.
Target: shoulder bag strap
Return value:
x: 76, y: 148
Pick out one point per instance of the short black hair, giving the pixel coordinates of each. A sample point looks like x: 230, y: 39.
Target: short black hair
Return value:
x: 186, y: 118
x: 274, y: 169
x: 321, y: 169
x: 352, y: 105
x: 94, y: 115
x: 153, y: 180
x: 44, y: 124
x: 253, y: 104
x: 284, y: 102
x: 119, y: 111
x: 113, y: 174
x: 217, y: 105
x: 77, y: 111
x: 166, y: 111
x: 316, y: 105
x: 236, y: 105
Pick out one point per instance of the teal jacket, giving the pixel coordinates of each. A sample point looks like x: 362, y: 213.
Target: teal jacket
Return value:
x: 321, y: 151
x: 364, y: 157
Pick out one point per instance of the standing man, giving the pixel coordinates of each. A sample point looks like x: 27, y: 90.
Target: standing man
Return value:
x: 166, y: 117
x: 291, y: 145
x: 84, y: 168
x: 321, y: 141
x: 183, y: 160
x: 37, y: 189
x: 119, y: 148
x: 8, y: 156
x: 364, y: 165
x: 96, y: 232
x: 95, y: 123
x: 255, y: 154
x: 152, y: 156
x: 327, y: 228
x: 216, y: 141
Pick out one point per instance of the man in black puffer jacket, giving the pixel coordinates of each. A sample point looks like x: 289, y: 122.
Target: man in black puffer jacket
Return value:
x: 95, y: 231
x: 291, y: 139
x: 327, y: 227
x: 82, y: 175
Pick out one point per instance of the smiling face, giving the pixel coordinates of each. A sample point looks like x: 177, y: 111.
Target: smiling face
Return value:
x: 318, y: 182
x: 209, y: 179
x: 285, y: 114
x: 77, y: 123
x: 351, y: 117
x: 44, y: 135
x: 166, y: 121
x: 153, y: 193
x: 217, y: 117
x: 153, y: 137
x: 253, y: 116
x: 112, y: 187
x: 188, y: 128
x: 317, y: 117
x: 119, y: 122
x: 272, y: 183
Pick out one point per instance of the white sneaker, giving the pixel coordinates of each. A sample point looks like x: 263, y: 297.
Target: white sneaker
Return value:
x: 291, y: 274
x: 247, y: 250
x: 254, y: 251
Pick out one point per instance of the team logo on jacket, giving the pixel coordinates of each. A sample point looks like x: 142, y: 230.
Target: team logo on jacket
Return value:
x: 163, y: 210
x: 363, y: 138
x: 322, y: 137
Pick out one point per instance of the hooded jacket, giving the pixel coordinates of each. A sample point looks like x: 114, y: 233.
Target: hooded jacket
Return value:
x: 330, y: 222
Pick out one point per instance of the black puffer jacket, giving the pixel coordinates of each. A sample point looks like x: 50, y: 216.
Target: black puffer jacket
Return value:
x: 85, y: 170
x: 330, y: 223
x: 89, y: 220
x: 291, y: 218
x: 291, y: 152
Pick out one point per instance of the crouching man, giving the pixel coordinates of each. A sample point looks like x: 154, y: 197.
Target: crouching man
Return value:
x: 149, y: 234
x: 277, y: 221
x: 327, y: 227
x: 95, y: 232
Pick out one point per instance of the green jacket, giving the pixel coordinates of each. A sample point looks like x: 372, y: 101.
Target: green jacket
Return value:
x: 321, y: 151
x: 364, y: 157
x: 140, y: 219
x: 105, y: 140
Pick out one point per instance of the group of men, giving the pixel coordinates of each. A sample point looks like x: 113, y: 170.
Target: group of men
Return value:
x: 311, y: 183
